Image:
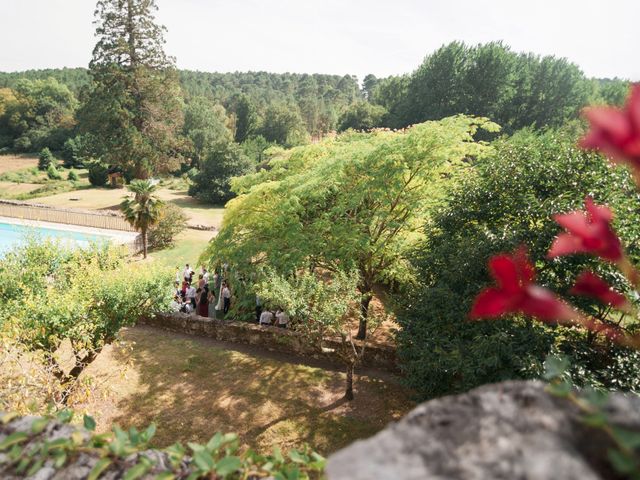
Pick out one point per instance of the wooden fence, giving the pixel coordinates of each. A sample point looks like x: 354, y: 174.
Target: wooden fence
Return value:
x: 45, y: 213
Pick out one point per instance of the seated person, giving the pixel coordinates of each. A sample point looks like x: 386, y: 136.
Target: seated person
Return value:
x: 266, y: 318
x: 176, y: 304
x: 282, y: 319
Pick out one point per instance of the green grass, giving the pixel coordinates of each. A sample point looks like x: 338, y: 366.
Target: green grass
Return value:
x: 188, y: 247
x: 192, y: 387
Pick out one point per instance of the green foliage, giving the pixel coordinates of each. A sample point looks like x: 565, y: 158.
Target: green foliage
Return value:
x: 53, y: 173
x: 172, y: 221
x: 143, y: 210
x: 134, y: 109
x: 205, y: 125
x: 75, y: 151
x: 44, y: 159
x: 122, y: 454
x: 283, y: 125
x: 361, y: 116
x: 223, y: 162
x: 513, y: 89
x: 50, y: 294
x: 508, y: 199
x: 37, y: 114
x: 73, y: 176
x: 98, y: 174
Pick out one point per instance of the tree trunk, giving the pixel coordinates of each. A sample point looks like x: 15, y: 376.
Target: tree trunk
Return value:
x: 348, y: 394
x: 144, y: 243
x: 364, y: 314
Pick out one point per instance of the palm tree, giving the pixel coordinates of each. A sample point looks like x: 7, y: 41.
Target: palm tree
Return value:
x: 143, y: 210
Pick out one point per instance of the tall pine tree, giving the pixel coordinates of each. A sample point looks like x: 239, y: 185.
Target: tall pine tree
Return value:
x: 134, y: 109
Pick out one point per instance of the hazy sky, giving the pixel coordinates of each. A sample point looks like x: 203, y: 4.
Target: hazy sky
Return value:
x: 335, y: 36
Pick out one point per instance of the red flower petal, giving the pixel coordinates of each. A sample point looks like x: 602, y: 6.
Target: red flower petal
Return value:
x: 491, y: 303
x: 504, y: 269
x: 544, y: 305
x: 591, y: 285
x: 565, y: 244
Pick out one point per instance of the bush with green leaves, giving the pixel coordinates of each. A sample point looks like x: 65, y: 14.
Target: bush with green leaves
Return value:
x: 50, y: 294
x: 508, y: 199
x: 98, y: 174
x: 73, y: 176
x: 45, y: 159
x: 75, y: 151
x: 172, y: 222
x: 53, y: 173
x: 47, y: 444
x: 212, y: 184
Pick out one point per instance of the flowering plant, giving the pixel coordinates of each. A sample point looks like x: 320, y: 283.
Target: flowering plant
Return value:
x: 616, y: 133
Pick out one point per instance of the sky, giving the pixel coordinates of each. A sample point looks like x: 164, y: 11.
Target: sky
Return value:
x: 335, y: 36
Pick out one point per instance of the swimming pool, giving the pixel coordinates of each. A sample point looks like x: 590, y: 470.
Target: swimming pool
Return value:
x: 12, y: 235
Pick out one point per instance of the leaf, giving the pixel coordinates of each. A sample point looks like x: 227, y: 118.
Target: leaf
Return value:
x: 559, y: 389
x: 228, y: 465
x: 215, y: 442
x: 165, y: 476
x: 295, y: 456
x: 65, y: 416
x: 137, y: 471
x: 627, y: 438
x: 621, y: 462
x: 89, y: 423
x: 35, y: 467
x: 98, y: 468
x: 555, y: 367
x: 39, y: 425
x: 595, y: 420
x: 13, y: 439
x: 149, y: 432
x: 60, y: 460
x: 7, y: 417
x: 204, y: 461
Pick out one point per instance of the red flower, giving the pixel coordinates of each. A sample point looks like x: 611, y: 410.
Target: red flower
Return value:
x: 517, y: 293
x: 616, y: 132
x: 588, y: 231
x: 591, y: 285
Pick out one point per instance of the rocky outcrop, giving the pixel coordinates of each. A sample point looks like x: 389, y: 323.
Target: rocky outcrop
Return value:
x: 513, y: 430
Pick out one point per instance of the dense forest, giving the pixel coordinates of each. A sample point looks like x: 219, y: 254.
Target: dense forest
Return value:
x: 222, y: 123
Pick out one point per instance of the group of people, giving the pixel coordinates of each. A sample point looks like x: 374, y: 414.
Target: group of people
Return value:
x: 198, y: 296
x: 267, y: 318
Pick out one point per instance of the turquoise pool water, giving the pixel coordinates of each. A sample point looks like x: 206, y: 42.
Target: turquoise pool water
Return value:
x: 12, y: 235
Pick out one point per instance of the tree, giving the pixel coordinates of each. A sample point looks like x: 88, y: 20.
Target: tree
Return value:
x: 352, y: 203
x: 283, y: 125
x: 40, y: 114
x: 320, y: 311
x: 143, y: 210
x: 369, y: 85
x: 206, y: 125
x: 44, y: 159
x: 51, y: 295
x: 361, y: 116
x: 134, y: 109
x: 212, y: 183
x: 245, y: 115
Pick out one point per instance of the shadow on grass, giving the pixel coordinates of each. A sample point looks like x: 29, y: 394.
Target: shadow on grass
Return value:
x: 191, y: 390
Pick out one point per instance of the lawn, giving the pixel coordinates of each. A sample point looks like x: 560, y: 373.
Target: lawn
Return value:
x: 188, y: 247
x: 191, y: 387
x: 109, y: 199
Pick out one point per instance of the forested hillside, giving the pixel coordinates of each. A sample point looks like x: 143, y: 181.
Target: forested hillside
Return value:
x: 222, y: 123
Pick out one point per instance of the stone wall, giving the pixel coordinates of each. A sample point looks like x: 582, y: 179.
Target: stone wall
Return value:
x: 380, y: 357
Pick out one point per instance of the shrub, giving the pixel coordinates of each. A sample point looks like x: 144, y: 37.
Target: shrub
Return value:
x: 72, y: 152
x: 45, y: 159
x: 508, y: 200
x: 53, y: 173
x: 98, y: 175
x: 73, y: 176
x: 172, y: 222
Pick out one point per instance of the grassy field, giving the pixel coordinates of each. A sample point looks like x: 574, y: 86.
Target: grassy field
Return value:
x: 188, y: 247
x: 191, y: 387
x: 109, y: 199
